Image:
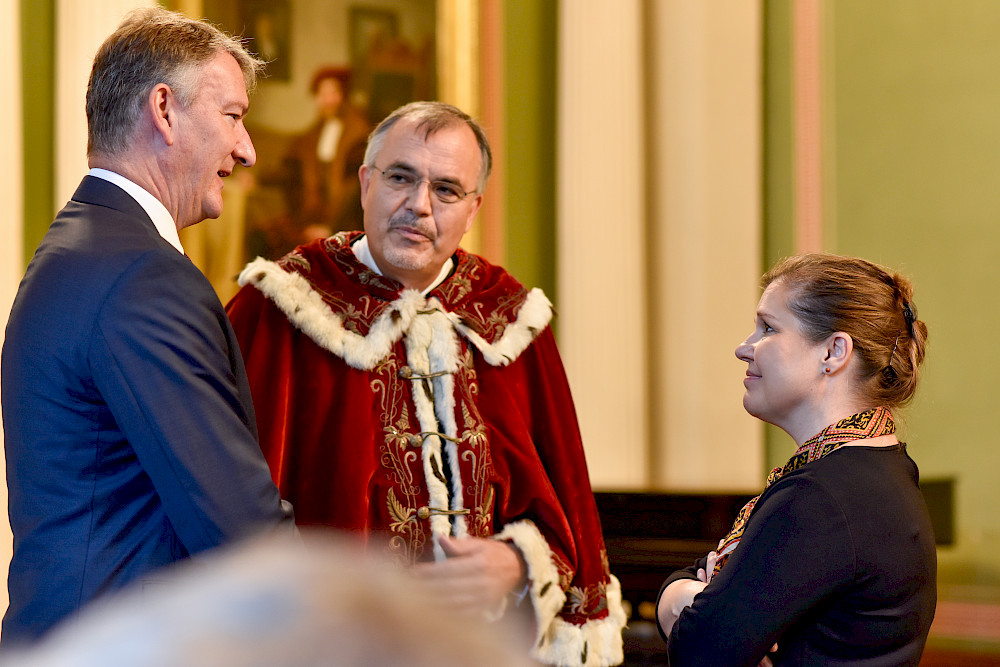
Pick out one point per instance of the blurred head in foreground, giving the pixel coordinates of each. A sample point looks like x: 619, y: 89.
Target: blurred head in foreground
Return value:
x: 275, y: 603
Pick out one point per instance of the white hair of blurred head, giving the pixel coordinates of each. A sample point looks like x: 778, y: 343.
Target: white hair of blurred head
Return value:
x: 275, y: 602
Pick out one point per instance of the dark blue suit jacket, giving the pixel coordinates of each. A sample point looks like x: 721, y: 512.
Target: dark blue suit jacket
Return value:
x: 128, y: 425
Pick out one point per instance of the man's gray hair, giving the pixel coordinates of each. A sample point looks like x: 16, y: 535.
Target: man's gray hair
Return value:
x: 431, y: 117
x: 152, y: 46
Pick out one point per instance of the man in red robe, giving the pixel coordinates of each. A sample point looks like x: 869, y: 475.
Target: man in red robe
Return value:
x: 412, y: 393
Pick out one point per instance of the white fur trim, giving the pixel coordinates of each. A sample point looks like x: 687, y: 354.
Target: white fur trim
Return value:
x: 558, y: 642
x: 443, y: 353
x: 432, y: 346
x: 547, y: 597
x: 307, y: 311
x: 533, y: 317
x: 602, y: 638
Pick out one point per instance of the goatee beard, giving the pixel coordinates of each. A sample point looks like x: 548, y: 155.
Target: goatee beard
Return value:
x: 404, y: 257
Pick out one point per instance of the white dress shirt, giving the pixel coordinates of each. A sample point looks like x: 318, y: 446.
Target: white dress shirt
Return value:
x: 153, y: 207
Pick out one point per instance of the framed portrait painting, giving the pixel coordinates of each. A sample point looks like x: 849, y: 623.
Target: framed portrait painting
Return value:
x: 370, y: 28
x: 268, y: 25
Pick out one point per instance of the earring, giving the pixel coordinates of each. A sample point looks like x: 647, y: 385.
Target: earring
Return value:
x: 826, y: 370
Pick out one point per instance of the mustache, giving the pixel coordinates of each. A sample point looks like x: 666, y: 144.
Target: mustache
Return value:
x: 411, y: 220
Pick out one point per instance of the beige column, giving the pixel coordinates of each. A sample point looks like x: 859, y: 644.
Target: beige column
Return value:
x: 11, y: 210
x: 458, y: 75
x: 705, y: 239
x: 458, y: 53
x: 492, y: 215
x: 602, y: 279
x: 81, y: 27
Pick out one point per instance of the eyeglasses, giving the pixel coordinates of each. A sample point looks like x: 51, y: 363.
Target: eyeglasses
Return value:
x: 403, y: 180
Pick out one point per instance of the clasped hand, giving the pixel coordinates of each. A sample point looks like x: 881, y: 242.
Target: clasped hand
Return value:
x: 476, y: 576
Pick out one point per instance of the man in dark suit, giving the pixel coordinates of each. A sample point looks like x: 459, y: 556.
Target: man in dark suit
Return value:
x: 129, y: 430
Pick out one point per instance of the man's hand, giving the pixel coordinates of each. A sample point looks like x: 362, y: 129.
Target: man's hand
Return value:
x: 477, y: 574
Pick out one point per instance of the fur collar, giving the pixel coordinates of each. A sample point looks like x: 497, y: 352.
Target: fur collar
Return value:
x: 319, y: 319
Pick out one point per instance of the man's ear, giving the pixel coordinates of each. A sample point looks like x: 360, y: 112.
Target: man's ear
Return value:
x: 476, y: 204
x: 839, y: 349
x: 161, y: 108
x: 365, y: 177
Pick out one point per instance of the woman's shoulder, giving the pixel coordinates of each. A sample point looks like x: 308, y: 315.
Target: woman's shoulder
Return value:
x: 868, y: 465
x: 850, y: 461
x: 856, y: 482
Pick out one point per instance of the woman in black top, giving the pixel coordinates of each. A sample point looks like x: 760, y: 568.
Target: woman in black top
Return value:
x: 834, y: 563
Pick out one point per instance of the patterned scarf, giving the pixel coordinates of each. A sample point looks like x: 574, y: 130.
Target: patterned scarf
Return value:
x: 869, y: 424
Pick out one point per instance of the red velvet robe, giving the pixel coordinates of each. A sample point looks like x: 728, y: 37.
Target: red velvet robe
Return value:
x: 358, y: 439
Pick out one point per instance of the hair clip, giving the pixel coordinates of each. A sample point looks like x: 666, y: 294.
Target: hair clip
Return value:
x: 910, y: 315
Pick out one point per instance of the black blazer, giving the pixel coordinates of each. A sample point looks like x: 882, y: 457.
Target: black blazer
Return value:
x: 129, y: 430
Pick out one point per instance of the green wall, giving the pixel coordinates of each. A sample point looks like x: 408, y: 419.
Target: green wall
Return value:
x: 778, y: 208
x: 777, y: 169
x: 530, y: 39
x: 917, y: 164
x: 38, y: 104
x: 911, y: 151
